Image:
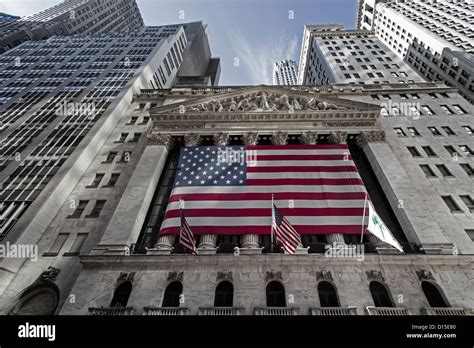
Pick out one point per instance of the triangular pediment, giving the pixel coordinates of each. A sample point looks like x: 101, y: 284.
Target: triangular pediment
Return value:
x: 263, y: 99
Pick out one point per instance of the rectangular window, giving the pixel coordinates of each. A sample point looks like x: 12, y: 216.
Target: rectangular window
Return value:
x: 145, y: 120
x: 467, y: 168
x: 429, y: 151
x: 448, y: 130
x: 76, y: 246
x: 113, y: 179
x: 467, y: 150
x: 122, y: 138
x: 459, y: 109
x: 167, y: 67
x: 400, y: 132
x: 57, y: 245
x: 470, y: 233
x: 427, y: 170
x: 95, y: 183
x: 110, y: 157
x: 427, y: 110
x: 79, y: 210
x: 97, y: 209
x: 444, y: 170
x: 413, y: 151
x: 452, y: 151
x: 468, y: 201
x: 413, y: 132
x: 468, y: 129
x: 446, y: 109
x: 434, y: 131
x: 451, y: 203
x: 133, y: 120
x: 136, y: 137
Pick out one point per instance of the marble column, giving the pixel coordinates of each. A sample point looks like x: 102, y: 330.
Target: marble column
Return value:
x: 208, y: 242
x: 163, y: 246
x: 250, y: 242
x: 336, y: 138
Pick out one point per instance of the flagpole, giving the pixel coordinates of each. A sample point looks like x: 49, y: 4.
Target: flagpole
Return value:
x: 273, y: 219
x: 363, y: 219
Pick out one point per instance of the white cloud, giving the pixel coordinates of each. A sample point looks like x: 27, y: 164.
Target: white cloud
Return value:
x: 257, y: 57
x: 26, y: 7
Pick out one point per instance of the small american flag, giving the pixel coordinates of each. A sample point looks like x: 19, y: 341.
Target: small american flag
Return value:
x: 186, y: 236
x: 286, y: 235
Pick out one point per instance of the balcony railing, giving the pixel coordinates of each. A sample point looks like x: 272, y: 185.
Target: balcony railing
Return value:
x: 387, y: 311
x: 110, y: 311
x: 335, y: 311
x: 165, y: 311
x: 277, y: 311
x: 221, y: 311
x: 446, y: 311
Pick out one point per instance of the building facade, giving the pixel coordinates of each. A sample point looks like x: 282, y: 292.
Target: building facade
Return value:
x: 435, y: 38
x: 74, y: 17
x: 352, y: 56
x: 127, y: 268
x: 285, y: 73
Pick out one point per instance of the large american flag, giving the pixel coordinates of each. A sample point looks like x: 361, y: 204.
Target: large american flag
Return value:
x: 228, y: 190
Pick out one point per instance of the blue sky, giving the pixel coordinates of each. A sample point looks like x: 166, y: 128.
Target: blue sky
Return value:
x: 254, y: 33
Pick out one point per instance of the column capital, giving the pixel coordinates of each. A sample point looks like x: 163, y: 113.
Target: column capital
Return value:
x: 250, y: 138
x: 337, y: 137
x: 191, y: 139
x: 160, y: 139
x: 280, y: 138
x: 309, y: 138
x: 221, y: 138
x: 370, y: 137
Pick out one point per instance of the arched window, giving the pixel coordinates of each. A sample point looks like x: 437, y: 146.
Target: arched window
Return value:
x: 121, y: 295
x: 276, y: 295
x: 224, y: 295
x: 327, y: 295
x: 41, y: 299
x: 172, y: 293
x: 433, y: 295
x: 380, y: 295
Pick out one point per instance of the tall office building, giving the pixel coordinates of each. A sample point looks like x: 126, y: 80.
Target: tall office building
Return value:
x: 73, y: 17
x: 285, y: 73
x: 5, y: 17
x: 65, y: 103
x: 352, y: 56
x: 435, y: 38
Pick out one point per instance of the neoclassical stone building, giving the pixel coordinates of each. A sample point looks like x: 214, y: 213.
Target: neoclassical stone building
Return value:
x: 102, y: 253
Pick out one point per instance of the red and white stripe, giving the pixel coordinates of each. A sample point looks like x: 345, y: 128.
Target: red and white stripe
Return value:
x: 316, y: 187
x: 186, y: 236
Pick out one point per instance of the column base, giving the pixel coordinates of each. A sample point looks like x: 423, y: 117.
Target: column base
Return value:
x: 439, y: 248
x: 250, y: 251
x: 383, y: 250
x: 207, y: 251
x: 153, y: 251
x: 302, y: 251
